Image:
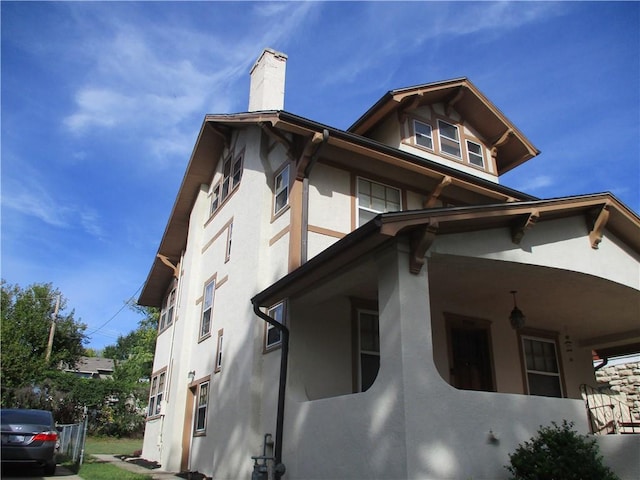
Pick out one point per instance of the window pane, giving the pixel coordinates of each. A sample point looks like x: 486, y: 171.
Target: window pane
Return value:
x: 545, y: 385
x: 378, y: 204
x: 281, y: 201
x: 450, y: 147
x: 273, y: 336
x: 206, y: 322
x: 365, y: 216
x: 393, y: 196
x: 447, y: 130
x: 370, y: 364
x: 475, y: 154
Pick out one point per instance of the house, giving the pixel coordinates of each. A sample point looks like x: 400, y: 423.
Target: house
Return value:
x: 372, y: 302
x: 92, y: 367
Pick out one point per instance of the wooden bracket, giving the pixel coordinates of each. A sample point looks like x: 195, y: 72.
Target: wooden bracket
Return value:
x: 223, y: 133
x: 311, y: 147
x: 519, y: 228
x: 421, y: 241
x: 408, y: 106
x: 596, y: 223
x: 502, y: 139
x: 176, y: 269
x: 435, y: 194
x: 451, y: 103
x: 276, y: 135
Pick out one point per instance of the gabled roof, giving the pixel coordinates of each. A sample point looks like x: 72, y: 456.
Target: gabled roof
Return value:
x: 214, y: 135
x: 513, y: 148
x: 620, y: 221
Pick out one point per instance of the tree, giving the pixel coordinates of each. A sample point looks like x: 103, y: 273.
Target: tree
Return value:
x: 26, y: 318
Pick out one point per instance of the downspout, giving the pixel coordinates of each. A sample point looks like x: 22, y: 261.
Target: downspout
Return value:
x: 284, y: 354
x: 305, y: 196
x: 605, y: 361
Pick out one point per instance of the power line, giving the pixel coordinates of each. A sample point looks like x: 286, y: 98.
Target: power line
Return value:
x: 117, y: 313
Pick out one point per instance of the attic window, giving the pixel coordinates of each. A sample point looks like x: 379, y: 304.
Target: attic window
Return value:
x: 423, y: 134
x: 449, y: 138
x: 474, y: 151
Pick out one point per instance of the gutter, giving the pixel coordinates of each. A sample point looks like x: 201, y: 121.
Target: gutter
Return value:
x: 282, y: 385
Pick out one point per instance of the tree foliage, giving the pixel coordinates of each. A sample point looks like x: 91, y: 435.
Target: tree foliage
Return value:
x: 558, y: 453
x: 26, y: 316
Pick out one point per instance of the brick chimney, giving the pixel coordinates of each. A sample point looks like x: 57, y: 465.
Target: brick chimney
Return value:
x: 267, y: 81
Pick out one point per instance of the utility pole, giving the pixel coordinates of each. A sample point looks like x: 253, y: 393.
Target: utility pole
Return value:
x: 52, y: 330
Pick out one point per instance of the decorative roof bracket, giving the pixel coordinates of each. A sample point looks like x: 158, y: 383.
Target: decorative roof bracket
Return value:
x: 421, y: 240
x: 276, y: 135
x: 502, y: 139
x: 519, y: 227
x: 435, y: 194
x: 596, y: 223
x: 222, y: 132
x: 310, y: 152
x: 409, y: 104
x: 164, y: 259
x: 451, y: 103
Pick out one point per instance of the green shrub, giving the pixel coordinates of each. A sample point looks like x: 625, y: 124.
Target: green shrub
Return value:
x: 558, y: 453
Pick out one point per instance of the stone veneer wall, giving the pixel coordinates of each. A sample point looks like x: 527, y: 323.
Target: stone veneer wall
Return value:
x: 623, y: 379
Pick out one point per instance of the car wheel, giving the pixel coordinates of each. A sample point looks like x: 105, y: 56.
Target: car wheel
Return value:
x: 50, y: 468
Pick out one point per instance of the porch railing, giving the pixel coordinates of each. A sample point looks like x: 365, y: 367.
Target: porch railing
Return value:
x: 608, y: 414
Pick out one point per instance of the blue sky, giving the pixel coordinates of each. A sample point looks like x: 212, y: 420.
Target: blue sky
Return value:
x: 102, y: 102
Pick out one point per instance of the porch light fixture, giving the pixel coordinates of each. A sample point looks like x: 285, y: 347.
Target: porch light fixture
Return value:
x: 191, y: 376
x: 516, y: 317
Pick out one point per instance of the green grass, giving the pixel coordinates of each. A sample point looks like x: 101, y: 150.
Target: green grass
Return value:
x: 113, y: 446
x: 93, y: 470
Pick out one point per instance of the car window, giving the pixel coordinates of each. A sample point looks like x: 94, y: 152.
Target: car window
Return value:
x: 26, y: 416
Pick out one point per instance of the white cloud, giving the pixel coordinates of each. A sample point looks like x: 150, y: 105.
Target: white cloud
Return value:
x: 535, y: 184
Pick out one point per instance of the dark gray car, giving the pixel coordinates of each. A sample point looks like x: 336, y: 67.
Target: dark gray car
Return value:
x: 29, y: 437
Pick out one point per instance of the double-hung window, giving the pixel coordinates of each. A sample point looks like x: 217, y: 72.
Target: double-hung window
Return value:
x: 207, y: 309
x: 281, y: 190
x: 201, y: 414
x: 166, y: 316
x: 218, y: 362
x: 231, y: 175
x: 449, y: 138
x: 156, y: 394
x: 423, y: 134
x: 474, y: 152
x: 272, y: 336
x: 375, y: 198
x: 368, y: 349
x: 542, y: 366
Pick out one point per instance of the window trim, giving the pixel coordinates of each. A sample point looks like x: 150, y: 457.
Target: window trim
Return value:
x: 197, y: 432
x: 541, y: 336
x: 155, y: 393
x: 415, y: 135
x: 458, y: 140
x: 168, y: 306
x: 218, y: 359
x: 370, y: 210
x: 201, y: 334
x: 276, y: 212
x: 467, y: 141
x: 268, y: 347
x: 227, y: 184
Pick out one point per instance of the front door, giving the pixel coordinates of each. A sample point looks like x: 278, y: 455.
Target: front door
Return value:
x: 470, y: 355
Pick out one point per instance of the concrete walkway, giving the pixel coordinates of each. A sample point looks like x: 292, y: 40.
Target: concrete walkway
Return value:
x: 132, y: 467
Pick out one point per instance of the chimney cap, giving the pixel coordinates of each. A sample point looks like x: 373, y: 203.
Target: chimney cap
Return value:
x: 275, y: 53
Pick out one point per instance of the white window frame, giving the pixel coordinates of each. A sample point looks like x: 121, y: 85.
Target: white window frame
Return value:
x: 202, y: 404
x: 168, y: 309
x: 218, y: 361
x: 368, y: 208
x: 528, y: 370
x: 418, y: 135
x: 361, y: 352
x: 471, y: 154
x: 206, y: 319
x: 444, y: 139
x: 156, y: 394
x: 277, y: 312
x: 281, y: 190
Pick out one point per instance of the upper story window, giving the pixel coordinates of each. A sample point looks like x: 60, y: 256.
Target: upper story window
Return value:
x: 474, y: 153
x: 227, y: 253
x: 207, y: 309
x: 375, y: 198
x: 449, y: 138
x: 542, y: 366
x: 272, y: 336
x: 281, y: 190
x: 168, y: 307
x: 218, y: 362
x: 231, y: 175
x: 424, y: 136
